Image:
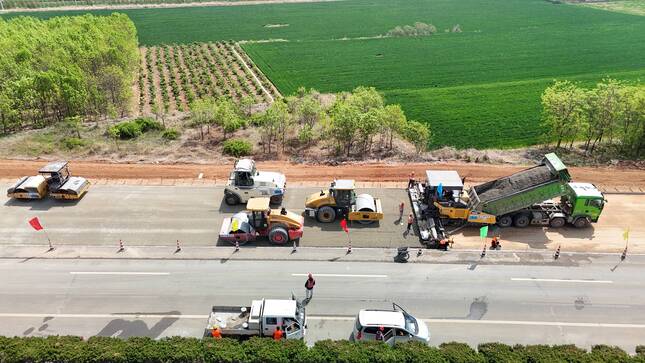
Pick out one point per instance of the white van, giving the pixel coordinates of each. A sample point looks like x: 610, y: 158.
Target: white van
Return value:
x: 398, y: 326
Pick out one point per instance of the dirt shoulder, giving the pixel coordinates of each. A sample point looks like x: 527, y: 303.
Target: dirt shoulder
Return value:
x: 366, y: 172
x: 152, y: 6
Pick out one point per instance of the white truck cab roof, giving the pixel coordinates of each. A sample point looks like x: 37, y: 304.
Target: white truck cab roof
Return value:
x: 245, y: 165
x: 280, y: 308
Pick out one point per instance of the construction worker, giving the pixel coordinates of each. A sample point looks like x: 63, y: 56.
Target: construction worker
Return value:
x: 494, y: 243
x: 411, y: 181
x: 309, y: 287
x: 216, y: 333
x: 443, y: 244
x: 379, y: 333
x: 277, y: 334
x: 410, y: 221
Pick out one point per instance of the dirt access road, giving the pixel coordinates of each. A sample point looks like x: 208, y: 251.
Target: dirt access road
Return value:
x: 607, y: 178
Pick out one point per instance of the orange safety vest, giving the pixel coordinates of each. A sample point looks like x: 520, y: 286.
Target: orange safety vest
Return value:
x: 277, y: 335
x: 216, y: 333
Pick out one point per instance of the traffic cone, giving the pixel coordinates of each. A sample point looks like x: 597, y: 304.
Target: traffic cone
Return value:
x: 557, y: 253
x: 483, y: 252
x: 294, y: 249
x: 349, y: 247
x: 623, y: 256
x: 419, y: 252
x: 237, y: 246
x: 121, y: 247
x: 178, y: 247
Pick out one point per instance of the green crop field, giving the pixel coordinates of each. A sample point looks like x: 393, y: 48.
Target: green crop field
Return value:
x: 477, y: 88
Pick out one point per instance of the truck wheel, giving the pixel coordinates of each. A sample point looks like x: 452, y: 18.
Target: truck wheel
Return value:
x: 505, y: 221
x: 557, y: 222
x: 326, y: 214
x: 276, y: 199
x: 231, y: 199
x: 521, y: 220
x: 278, y: 235
x: 582, y: 222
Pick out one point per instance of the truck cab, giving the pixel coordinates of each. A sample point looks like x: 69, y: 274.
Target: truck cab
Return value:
x: 246, y: 182
x: 583, y: 204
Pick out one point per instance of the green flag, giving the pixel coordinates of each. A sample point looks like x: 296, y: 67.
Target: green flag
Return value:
x: 483, y: 232
x: 626, y: 234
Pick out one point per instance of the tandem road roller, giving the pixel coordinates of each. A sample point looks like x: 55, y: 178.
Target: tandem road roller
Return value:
x: 341, y: 200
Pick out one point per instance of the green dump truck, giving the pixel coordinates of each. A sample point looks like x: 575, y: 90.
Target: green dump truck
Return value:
x: 541, y: 195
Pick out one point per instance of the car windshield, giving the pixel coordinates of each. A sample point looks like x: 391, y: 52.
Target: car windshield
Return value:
x: 411, y: 324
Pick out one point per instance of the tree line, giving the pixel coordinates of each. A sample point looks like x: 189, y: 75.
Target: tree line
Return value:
x: 613, y: 112
x: 63, y: 67
x: 356, y: 122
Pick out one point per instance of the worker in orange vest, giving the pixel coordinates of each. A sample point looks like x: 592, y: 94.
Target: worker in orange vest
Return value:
x: 277, y: 334
x: 411, y: 180
x: 216, y: 333
x: 494, y: 243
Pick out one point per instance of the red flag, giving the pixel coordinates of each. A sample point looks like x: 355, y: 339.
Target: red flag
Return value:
x: 35, y: 223
x: 343, y: 225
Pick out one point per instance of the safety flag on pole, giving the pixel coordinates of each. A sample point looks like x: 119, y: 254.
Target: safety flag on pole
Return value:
x: 626, y: 234
x: 483, y: 232
x: 343, y: 225
x: 35, y: 223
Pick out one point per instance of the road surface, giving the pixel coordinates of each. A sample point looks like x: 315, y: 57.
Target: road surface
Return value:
x: 160, y: 215
x: 595, y: 303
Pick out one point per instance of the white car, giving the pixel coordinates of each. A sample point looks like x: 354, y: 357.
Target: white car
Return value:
x: 398, y: 326
x: 246, y: 182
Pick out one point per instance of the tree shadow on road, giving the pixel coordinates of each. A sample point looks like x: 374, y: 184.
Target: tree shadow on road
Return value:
x: 121, y: 328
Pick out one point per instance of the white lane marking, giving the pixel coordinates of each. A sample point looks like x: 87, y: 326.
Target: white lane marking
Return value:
x: 337, y: 318
x: 562, y: 280
x: 201, y: 175
x: 102, y: 316
x: 543, y: 323
x: 24, y: 231
x: 340, y: 275
x: 118, y: 273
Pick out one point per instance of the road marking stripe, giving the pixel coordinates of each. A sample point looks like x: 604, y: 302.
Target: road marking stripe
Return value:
x: 337, y: 318
x: 340, y: 275
x: 562, y: 280
x: 117, y: 273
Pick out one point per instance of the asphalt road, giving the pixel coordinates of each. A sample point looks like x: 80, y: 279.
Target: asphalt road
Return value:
x: 599, y: 302
x: 159, y: 215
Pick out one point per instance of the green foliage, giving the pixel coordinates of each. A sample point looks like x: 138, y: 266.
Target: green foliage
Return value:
x: 170, y: 134
x: 148, y: 124
x: 132, y: 129
x: 65, y: 67
x: 237, y: 147
x: 73, y: 143
x: 176, y: 350
x: 418, y: 30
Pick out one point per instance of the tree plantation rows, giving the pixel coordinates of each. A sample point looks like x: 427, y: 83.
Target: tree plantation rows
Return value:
x: 172, y: 77
x: 612, y: 112
x: 64, y: 67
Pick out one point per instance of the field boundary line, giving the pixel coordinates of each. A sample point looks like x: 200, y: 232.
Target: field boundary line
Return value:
x: 253, y: 73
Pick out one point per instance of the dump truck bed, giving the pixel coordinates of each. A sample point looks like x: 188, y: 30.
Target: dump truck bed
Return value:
x: 522, y: 189
x: 230, y: 320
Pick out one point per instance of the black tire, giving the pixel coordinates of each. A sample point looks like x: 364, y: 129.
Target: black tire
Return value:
x: 276, y: 199
x: 231, y: 199
x: 582, y: 222
x: 326, y: 214
x: 521, y: 220
x: 278, y: 235
x: 366, y: 222
x: 557, y: 222
x: 505, y: 221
